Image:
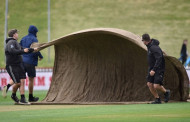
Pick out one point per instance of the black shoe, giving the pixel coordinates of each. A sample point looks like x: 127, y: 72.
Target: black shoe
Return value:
x: 15, y: 98
x: 157, y: 101
x: 23, y: 101
x: 167, y: 96
x: 33, y: 99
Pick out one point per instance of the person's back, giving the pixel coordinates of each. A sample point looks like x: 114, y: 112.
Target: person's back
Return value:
x: 155, y: 56
x: 26, y: 41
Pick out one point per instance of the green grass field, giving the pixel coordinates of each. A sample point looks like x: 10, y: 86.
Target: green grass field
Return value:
x: 166, y: 20
x: 170, y: 112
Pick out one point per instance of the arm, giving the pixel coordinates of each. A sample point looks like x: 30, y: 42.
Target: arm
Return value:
x: 11, y: 48
x: 30, y: 50
x: 38, y: 53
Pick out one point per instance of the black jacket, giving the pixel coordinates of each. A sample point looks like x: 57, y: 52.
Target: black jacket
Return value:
x: 13, y: 52
x: 156, y: 60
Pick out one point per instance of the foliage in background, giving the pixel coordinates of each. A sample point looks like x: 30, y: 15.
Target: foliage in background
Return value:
x: 166, y: 20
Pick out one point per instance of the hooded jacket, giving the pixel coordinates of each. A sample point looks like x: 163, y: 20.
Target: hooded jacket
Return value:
x: 26, y: 41
x: 13, y: 52
x: 156, y: 60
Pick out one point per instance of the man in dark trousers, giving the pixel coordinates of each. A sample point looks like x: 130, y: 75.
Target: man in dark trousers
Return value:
x: 14, y: 64
x: 31, y: 60
x: 156, y: 68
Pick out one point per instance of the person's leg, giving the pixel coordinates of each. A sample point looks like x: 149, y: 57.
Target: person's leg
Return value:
x: 180, y: 58
x: 6, y: 88
x: 31, y: 71
x: 150, y: 85
x: 22, y: 92
x: 184, y: 60
x: 10, y: 84
x: 160, y: 88
x: 31, y: 85
x: 14, y: 90
x: 14, y: 74
x: 158, y: 85
x: 22, y: 76
x: 152, y: 90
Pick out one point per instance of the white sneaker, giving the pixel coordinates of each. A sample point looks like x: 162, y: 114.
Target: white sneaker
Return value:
x: 22, y: 103
x: 4, y: 92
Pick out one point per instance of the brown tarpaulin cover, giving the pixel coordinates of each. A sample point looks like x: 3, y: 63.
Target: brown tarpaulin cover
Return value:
x: 107, y: 65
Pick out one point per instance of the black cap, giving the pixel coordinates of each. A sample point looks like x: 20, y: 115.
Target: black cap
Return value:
x: 12, y: 32
x: 145, y: 37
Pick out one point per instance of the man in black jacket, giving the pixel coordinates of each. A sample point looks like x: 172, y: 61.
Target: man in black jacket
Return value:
x: 156, y: 68
x: 14, y: 64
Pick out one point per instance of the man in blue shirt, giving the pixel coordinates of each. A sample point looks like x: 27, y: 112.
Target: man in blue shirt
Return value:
x: 31, y: 60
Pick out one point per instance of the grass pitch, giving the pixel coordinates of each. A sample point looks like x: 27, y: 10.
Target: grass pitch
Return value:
x: 170, y: 112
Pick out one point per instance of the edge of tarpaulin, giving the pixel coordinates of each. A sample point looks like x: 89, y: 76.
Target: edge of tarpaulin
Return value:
x: 99, y: 103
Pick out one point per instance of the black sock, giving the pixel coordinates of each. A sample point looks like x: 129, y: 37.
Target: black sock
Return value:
x: 14, y: 94
x: 22, y: 96
x: 30, y: 96
x: 8, y: 86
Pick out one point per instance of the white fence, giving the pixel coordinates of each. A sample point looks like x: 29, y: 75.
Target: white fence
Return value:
x: 42, y: 80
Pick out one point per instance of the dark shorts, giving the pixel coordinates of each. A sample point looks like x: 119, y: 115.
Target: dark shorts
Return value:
x: 30, y: 70
x: 157, y: 78
x: 16, y: 72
